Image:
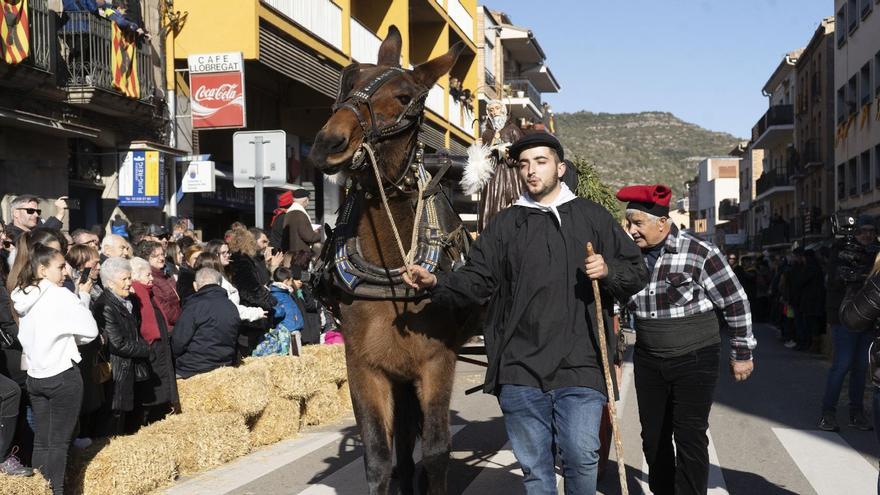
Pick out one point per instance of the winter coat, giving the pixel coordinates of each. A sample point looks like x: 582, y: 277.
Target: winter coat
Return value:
x: 10, y: 357
x: 13, y: 232
x: 298, y: 227
x: 165, y: 294
x: 310, y: 308
x: 124, y: 345
x: 287, y: 312
x: 161, y: 388
x: 811, y: 290
x: 186, y: 277
x: 207, y: 332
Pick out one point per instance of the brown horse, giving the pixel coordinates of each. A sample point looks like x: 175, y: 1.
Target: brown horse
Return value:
x: 401, y: 352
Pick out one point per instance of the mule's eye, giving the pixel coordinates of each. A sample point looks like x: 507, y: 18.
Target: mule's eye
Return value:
x: 404, y: 99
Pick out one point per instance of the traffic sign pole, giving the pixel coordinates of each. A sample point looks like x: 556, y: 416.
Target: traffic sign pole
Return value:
x: 258, y: 180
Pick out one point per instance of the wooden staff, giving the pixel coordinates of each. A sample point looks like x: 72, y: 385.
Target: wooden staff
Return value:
x: 606, y: 368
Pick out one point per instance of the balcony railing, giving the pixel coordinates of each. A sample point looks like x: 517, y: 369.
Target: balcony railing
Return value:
x: 523, y: 88
x: 89, y: 40
x: 321, y: 17
x: 364, y: 44
x: 728, y: 209
x: 460, y: 116
x: 769, y: 180
x: 490, y: 78
x: 775, y: 115
x: 461, y: 17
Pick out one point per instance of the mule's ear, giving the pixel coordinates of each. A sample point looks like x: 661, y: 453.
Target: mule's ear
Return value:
x: 427, y: 73
x: 389, y: 51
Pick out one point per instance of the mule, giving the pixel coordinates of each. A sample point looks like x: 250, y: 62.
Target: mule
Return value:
x: 400, y: 349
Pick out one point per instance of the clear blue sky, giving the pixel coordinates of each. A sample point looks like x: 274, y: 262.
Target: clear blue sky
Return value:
x: 703, y: 60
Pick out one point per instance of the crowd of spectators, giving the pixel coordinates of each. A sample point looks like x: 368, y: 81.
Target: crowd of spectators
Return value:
x: 95, y: 330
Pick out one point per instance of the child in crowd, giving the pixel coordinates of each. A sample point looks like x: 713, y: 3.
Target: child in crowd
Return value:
x: 287, y: 313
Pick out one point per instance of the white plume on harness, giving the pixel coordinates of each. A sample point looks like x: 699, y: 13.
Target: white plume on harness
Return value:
x: 479, y: 169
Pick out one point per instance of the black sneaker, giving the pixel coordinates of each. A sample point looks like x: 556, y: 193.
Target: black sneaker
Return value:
x: 13, y: 467
x: 828, y: 422
x: 859, y: 421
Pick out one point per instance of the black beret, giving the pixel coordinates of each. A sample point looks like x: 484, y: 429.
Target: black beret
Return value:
x: 534, y: 139
x: 300, y: 193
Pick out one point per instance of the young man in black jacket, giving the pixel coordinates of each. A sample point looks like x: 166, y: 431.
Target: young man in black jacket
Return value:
x: 206, y: 333
x: 541, y: 337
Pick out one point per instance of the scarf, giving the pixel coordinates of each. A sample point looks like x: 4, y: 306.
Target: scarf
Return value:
x: 149, y: 323
x: 565, y: 195
x: 298, y: 207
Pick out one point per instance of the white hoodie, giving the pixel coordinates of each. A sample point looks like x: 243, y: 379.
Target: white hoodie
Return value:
x: 565, y: 195
x: 52, y: 322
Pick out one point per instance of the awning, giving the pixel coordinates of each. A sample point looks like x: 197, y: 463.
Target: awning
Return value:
x: 288, y: 57
x: 45, y: 125
x: 521, y: 44
x: 542, y: 79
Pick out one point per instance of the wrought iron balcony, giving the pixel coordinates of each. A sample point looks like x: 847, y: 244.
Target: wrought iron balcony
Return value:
x: 777, y: 122
x: 769, y: 180
x: 89, y: 46
x: 728, y: 209
x: 42, y: 39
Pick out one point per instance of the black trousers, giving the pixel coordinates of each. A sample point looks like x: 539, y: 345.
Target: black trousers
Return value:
x: 56, y: 401
x: 10, y: 396
x: 675, y: 396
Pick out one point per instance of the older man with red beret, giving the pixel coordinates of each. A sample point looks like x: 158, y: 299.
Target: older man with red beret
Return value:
x: 678, y: 340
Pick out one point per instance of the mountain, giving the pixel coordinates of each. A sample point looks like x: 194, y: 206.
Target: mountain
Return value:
x: 641, y: 148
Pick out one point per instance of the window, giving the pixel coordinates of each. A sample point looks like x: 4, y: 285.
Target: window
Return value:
x: 852, y: 91
x: 852, y: 180
x: 865, y: 81
x: 841, y: 104
x: 841, y: 21
x: 867, y: 7
x: 841, y: 181
x: 866, y: 171
x: 853, y: 13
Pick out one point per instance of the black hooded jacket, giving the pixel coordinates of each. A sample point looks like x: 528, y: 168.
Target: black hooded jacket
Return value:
x: 205, y: 336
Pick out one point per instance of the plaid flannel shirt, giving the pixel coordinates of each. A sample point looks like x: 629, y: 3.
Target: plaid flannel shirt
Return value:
x: 692, y: 277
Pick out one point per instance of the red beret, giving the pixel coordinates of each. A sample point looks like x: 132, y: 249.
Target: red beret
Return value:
x: 285, y: 199
x: 651, y: 199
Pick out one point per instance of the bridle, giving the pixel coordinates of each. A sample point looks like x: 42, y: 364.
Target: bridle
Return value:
x: 356, y: 100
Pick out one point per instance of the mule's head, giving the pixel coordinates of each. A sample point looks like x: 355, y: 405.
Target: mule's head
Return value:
x: 393, y: 103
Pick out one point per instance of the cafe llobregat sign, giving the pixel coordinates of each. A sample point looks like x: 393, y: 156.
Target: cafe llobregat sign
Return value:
x: 216, y: 83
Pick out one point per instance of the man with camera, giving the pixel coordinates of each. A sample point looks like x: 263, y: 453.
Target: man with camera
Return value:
x: 26, y: 216
x: 851, y: 261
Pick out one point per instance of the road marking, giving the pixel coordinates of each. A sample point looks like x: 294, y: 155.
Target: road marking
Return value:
x: 350, y: 479
x: 253, y: 466
x: 494, y: 470
x: 717, y: 485
x: 828, y: 462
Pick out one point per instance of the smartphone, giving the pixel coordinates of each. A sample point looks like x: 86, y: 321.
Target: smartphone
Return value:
x: 84, y: 277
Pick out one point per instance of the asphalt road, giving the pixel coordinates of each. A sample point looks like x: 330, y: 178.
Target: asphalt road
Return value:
x: 763, y: 441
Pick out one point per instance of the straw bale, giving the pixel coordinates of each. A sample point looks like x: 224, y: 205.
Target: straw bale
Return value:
x: 292, y: 377
x: 128, y: 465
x: 344, y: 395
x: 24, y: 485
x: 323, y: 406
x: 331, y: 360
x: 201, y: 441
x: 243, y: 390
x: 280, y: 420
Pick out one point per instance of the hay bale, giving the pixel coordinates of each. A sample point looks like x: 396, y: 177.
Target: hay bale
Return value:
x: 130, y: 465
x: 280, y: 420
x: 201, y: 441
x: 331, y: 361
x: 292, y: 377
x: 323, y: 406
x: 21, y: 485
x: 243, y: 390
x: 344, y: 395
x: 77, y: 461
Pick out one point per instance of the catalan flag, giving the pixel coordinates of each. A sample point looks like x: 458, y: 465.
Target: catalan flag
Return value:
x: 124, y: 62
x: 15, y: 31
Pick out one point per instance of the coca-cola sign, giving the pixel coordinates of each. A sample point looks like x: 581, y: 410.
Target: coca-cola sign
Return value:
x: 217, y: 91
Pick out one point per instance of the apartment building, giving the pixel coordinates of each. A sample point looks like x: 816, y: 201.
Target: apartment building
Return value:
x: 774, y: 202
x: 751, y: 166
x: 857, y: 106
x: 813, y: 171
x: 714, y: 201
x: 513, y: 68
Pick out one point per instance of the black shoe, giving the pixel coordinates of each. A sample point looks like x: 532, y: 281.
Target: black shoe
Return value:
x: 859, y: 421
x: 828, y: 422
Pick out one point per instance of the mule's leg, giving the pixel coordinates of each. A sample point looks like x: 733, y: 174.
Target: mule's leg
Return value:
x: 435, y: 392
x: 371, y: 394
x: 407, y: 422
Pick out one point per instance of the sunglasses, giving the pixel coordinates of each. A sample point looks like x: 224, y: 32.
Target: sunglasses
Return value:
x: 31, y: 211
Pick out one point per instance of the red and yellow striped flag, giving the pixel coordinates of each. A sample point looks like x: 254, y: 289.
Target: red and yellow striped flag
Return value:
x: 15, y: 31
x: 124, y: 62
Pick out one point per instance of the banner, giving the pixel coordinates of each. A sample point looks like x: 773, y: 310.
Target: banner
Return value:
x: 15, y: 31
x: 124, y: 61
x: 142, y: 179
x: 216, y: 83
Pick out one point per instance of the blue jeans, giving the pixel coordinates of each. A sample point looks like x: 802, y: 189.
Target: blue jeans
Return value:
x: 850, y: 356
x: 566, y: 418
